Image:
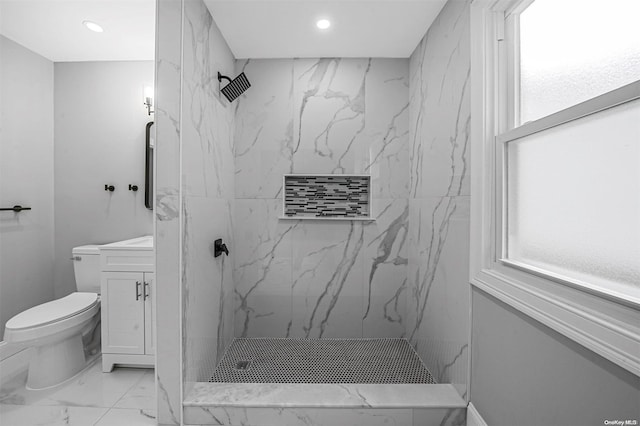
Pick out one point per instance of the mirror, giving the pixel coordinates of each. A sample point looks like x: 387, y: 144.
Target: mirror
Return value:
x: 148, y: 166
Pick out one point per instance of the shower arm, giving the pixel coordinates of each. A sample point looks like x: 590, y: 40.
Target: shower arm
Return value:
x: 220, y: 77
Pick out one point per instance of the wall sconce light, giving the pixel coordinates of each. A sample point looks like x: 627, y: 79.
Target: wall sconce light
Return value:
x: 148, y: 98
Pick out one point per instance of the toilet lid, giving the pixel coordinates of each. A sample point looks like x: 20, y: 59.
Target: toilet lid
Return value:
x: 53, y: 311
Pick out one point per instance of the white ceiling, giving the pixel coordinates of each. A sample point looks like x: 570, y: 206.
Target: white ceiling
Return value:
x: 359, y: 28
x: 253, y: 28
x: 54, y: 29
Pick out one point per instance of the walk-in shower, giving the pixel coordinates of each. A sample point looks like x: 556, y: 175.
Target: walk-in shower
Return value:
x: 352, y: 313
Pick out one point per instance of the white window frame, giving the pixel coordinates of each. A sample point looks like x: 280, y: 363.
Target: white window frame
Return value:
x: 606, y: 321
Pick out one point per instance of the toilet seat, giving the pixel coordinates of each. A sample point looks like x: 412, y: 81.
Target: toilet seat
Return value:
x: 51, y: 318
x: 54, y: 311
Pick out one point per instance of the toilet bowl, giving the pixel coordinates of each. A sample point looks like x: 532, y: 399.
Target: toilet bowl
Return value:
x: 55, y: 329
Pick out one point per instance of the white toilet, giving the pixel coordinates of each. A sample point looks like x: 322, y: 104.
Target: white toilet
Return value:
x: 55, y: 329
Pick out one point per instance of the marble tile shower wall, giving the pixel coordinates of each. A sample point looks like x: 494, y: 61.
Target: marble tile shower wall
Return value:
x: 207, y: 194
x: 194, y: 199
x: 167, y: 210
x: 438, y: 291
x: 314, y: 278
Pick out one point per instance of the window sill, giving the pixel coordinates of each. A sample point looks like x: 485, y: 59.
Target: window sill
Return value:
x: 607, y: 327
x: 618, y: 293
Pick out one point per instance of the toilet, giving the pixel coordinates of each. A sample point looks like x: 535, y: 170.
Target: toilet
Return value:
x: 55, y: 330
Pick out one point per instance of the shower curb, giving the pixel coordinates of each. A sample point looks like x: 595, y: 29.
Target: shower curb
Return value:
x: 280, y: 404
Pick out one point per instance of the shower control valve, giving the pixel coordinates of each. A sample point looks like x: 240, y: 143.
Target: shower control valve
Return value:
x: 219, y: 247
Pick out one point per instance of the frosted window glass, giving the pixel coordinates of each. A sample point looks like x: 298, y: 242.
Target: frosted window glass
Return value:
x: 573, y: 196
x: 574, y: 50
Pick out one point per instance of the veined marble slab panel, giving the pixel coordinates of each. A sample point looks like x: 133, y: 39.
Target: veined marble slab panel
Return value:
x: 167, y: 209
x: 142, y: 395
x: 440, y: 106
x: 208, y: 280
x: 385, y: 268
x: 298, y: 416
x: 129, y: 417
x: 18, y: 415
x: 329, y: 121
x: 271, y: 250
x: 438, y: 296
x: 264, y: 128
x: 321, y: 116
x: 207, y: 123
x: 440, y: 417
x: 90, y: 388
x: 263, y: 269
x: 327, y: 279
x: 387, y: 127
x: 323, y: 395
x: 208, y: 194
x: 438, y: 288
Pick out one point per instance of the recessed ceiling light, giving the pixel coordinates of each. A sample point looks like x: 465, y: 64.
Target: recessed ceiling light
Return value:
x: 93, y: 26
x: 323, y: 24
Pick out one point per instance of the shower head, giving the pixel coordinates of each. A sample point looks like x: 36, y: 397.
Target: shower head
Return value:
x: 236, y: 87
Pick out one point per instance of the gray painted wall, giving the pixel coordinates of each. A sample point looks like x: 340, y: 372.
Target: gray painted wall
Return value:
x: 99, y: 139
x: 525, y: 374
x: 26, y: 178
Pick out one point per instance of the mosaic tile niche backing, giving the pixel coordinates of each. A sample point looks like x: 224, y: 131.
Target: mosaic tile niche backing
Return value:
x: 327, y: 196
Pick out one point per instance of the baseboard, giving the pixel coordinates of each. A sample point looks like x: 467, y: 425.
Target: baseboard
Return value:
x: 473, y: 417
x: 13, y: 360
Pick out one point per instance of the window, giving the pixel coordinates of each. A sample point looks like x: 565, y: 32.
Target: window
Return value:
x: 556, y: 151
x: 573, y: 50
x: 572, y: 180
x: 572, y: 195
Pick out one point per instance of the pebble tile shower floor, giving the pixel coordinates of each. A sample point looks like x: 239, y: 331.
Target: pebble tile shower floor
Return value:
x: 321, y: 361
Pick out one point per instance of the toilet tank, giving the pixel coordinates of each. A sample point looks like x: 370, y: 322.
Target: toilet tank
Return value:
x: 86, y: 266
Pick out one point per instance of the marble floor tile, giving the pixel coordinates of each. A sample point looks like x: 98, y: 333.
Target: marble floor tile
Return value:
x: 142, y: 395
x: 128, y: 417
x: 21, y: 415
x: 90, y: 388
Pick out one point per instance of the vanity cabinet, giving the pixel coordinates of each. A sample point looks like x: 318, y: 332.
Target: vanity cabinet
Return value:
x: 127, y: 308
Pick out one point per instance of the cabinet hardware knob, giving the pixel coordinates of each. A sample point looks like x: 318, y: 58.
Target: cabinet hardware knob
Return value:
x: 110, y: 188
x: 133, y: 188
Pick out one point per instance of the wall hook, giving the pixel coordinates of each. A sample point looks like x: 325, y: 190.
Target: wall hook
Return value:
x: 109, y: 188
x: 133, y: 188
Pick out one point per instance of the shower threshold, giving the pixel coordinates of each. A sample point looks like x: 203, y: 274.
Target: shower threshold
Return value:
x: 332, y: 382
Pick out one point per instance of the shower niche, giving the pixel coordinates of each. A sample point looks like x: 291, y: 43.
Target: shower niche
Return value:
x: 327, y: 197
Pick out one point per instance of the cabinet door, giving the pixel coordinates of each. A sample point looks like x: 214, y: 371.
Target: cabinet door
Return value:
x: 122, y: 312
x: 149, y: 314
